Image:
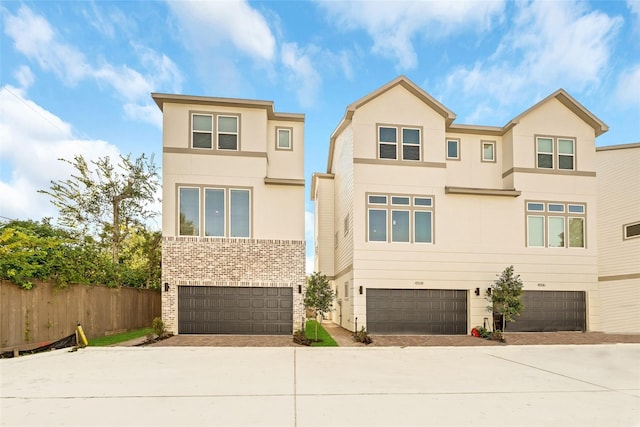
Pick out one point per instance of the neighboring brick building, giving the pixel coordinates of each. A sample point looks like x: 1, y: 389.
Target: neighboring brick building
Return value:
x: 233, y: 250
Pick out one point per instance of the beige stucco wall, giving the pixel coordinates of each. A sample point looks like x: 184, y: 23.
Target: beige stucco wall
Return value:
x: 618, y: 258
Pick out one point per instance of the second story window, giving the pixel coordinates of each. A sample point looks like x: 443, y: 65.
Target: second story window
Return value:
x: 488, y: 151
x: 202, y: 130
x: 556, y: 225
x: 555, y: 153
x: 227, y: 133
x: 388, y: 142
x: 399, y: 143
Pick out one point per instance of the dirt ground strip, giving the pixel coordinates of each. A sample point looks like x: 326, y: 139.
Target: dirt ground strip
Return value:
x: 344, y: 338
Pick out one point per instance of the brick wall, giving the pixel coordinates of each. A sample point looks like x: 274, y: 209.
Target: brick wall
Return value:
x: 209, y: 261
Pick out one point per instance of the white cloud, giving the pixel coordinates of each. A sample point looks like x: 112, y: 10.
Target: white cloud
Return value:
x: 304, y: 76
x: 213, y: 24
x: 24, y: 76
x: 33, y: 139
x: 34, y: 37
x: 628, y: 91
x: 549, y: 45
x: 393, y: 25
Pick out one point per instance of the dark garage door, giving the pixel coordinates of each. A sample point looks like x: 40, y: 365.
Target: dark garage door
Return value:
x: 230, y: 310
x: 548, y: 311
x: 417, y: 311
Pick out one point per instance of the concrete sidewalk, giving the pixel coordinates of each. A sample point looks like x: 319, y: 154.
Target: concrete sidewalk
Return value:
x: 299, y: 386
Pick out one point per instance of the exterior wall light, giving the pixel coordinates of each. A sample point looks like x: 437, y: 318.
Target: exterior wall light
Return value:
x: 360, y: 290
x: 166, y: 286
x: 477, y: 291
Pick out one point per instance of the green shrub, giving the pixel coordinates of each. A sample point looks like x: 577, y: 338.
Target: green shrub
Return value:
x: 362, y: 336
x: 159, y: 327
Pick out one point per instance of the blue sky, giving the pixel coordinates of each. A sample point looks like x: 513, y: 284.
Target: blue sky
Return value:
x: 75, y: 77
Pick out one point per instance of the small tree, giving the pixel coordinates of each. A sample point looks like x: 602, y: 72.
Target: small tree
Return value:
x: 505, y: 297
x: 318, y: 295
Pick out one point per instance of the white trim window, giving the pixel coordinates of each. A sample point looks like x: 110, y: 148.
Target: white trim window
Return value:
x: 227, y: 131
x: 399, y: 218
x: 387, y: 142
x: 283, y: 139
x: 201, y: 130
x: 555, y: 153
x: 631, y: 231
x: 214, y: 212
x: 488, y: 151
x: 556, y: 225
x: 453, y: 149
x: 411, y: 144
x: 188, y: 211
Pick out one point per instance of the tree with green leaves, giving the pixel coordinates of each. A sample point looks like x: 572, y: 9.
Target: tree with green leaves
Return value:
x: 506, y: 297
x: 106, y: 200
x: 318, y: 296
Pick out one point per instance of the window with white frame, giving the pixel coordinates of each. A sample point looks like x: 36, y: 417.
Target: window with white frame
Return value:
x: 283, y: 136
x: 346, y: 290
x: 227, y: 132
x: 632, y: 231
x: 453, y: 149
x: 226, y: 213
x: 388, y: 142
x: 488, y: 151
x: 201, y: 130
x: 555, y: 153
x: 409, y: 139
x: 555, y: 224
x: 399, y: 218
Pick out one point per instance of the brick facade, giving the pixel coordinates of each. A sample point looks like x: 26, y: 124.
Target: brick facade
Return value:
x: 209, y: 261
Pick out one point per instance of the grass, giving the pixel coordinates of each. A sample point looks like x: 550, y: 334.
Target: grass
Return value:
x: 118, y: 338
x: 324, y: 338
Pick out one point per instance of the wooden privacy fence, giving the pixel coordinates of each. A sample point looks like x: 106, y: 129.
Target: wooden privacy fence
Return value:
x: 45, y: 313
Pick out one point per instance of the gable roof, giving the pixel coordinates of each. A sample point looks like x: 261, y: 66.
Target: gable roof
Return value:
x: 560, y: 95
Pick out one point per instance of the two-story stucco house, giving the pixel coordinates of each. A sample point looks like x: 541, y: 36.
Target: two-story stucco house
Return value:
x: 233, y: 250
x: 416, y: 215
x: 618, y: 169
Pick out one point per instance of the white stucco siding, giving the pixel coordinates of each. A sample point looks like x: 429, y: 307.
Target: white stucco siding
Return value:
x: 470, y: 170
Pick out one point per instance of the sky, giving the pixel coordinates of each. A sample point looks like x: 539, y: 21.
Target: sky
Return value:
x: 76, y: 76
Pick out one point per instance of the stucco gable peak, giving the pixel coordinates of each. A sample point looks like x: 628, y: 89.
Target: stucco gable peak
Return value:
x: 574, y: 106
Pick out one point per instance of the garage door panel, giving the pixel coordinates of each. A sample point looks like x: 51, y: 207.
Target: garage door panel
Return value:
x: 229, y: 310
x: 416, y: 311
x: 549, y: 311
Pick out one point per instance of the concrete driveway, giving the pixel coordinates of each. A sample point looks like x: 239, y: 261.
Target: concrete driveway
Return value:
x: 459, y: 386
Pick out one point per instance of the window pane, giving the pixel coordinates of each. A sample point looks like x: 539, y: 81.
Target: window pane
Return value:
x: 189, y: 211
x: 377, y: 225
x: 545, y: 145
x: 214, y: 212
x: 387, y: 134
x: 227, y: 142
x: 576, y: 208
x: 411, y: 136
x: 283, y: 138
x: 565, y: 146
x: 411, y: 152
x: 535, y: 231
x: 632, y: 230
x: 378, y: 199
x: 422, y: 227
x: 387, y: 151
x: 228, y: 124
x: 400, y: 226
x: 422, y: 201
x: 565, y: 162
x: 556, y: 207
x: 201, y: 122
x: 576, y: 232
x: 556, y: 232
x: 535, y: 207
x: 452, y: 149
x: 240, y: 217
x: 545, y: 161
x: 487, y: 152
x: 400, y: 200
x: 201, y: 140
